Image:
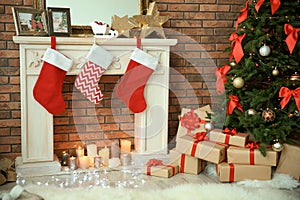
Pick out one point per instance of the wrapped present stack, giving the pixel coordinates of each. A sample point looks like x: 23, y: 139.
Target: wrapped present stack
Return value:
x: 236, y: 157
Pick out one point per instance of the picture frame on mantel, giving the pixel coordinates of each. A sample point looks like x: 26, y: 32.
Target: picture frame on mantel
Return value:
x: 86, y: 29
x: 30, y: 21
x: 59, y: 21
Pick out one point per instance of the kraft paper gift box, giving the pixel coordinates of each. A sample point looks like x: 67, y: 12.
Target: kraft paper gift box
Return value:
x: 224, y: 136
x: 235, y: 172
x: 241, y: 155
x: 187, y: 164
x: 192, y: 121
x: 160, y: 170
x: 289, y: 162
x: 205, y: 150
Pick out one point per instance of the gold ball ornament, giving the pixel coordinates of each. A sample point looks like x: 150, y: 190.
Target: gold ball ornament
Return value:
x: 277, y: 145
x: 268, y: 115
x: 264, y: 50
x: 208, y: 126
x: 238, y: 82
x: 275, y: 72
x: 251, y: 111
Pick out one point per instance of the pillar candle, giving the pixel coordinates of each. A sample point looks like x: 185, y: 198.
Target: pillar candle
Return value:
x: 91, y: 152
x: 115, y: 149
x: 84, y: 162
x: 104, y: 153
x: 125, y: 146
x: 72, y: 163
x: 79, y: 151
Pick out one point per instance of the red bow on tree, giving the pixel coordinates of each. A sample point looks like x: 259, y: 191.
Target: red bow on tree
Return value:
x: 292, y: 36
x: 233, y: 103
x: 286, y: 93
x: 220, y: 74
x: 252, y: 145
x: 275, y: 4
x: 200, y: 136
x: 236, y: 46
x: 230, y: 132
x: 243, y: 16
x: 154, y: 162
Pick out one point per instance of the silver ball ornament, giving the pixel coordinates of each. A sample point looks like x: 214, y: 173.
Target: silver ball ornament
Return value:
x: 232, y: 63
x: 264, y: 50
x: 208, y: 126
x: 277, y: 145
x: 251, y: 111
x: 238, y: 82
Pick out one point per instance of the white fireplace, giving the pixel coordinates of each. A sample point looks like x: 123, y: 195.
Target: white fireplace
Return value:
x: 150, y: 134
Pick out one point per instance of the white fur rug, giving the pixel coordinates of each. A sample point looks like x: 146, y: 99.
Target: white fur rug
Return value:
x: 180, y: 192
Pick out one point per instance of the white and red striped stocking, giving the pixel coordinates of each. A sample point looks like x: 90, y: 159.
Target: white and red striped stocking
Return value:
x: 87, y: 81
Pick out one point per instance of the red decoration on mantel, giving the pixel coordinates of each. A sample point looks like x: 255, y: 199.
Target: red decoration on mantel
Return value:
x: 236, y: 46
x: 286, y: 94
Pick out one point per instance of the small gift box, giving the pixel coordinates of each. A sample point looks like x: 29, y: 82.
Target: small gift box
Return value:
x: 205, y: 150
x: 227, y: 136
x: 289, y: 161
x: 192, y: 121
x: 187, y: 164
x: 236, y: 172
x: 251, y: 156
x: 157, y: 168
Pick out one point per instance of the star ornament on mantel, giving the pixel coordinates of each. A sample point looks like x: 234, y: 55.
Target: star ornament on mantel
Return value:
x: 122, y: 25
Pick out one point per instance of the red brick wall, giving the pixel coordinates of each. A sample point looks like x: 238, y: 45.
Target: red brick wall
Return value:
x: 201, y: 22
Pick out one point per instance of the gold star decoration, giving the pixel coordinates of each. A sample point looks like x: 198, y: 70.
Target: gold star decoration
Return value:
x: 121, y: 24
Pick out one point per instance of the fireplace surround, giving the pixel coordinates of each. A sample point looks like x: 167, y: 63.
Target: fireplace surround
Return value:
x: 150, y: 133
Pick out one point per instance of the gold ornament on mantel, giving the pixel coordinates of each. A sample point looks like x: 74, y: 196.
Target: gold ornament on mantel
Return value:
x: 122, y: 25
x: 152, y: 22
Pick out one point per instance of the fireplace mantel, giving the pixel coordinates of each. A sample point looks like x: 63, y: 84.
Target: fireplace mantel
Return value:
x: 37, y: 123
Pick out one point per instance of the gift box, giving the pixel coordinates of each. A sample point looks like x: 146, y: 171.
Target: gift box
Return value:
x: 250, y: 156
x: 157, y: 168
x: 192, y: 121
x: 187, y: 164
x: 231, y: 137
x: 205, y: 150
x: 289, y: 162
x: 236, y: 172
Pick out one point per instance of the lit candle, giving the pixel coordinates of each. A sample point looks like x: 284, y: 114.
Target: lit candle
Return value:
x: 73, y: 163
x: 91, y: 152
x: 79, y: 151
x: 125, y: 146
x: 104, y: 153
x: 115, y: 149
x: 84, y: 162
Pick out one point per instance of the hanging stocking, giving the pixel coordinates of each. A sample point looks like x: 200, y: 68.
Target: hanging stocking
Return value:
x: 48, y: 88
x: 131, y: 87
x: 87, y: 81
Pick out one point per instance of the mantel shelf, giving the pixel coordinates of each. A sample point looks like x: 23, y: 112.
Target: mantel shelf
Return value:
x: 90, y: 40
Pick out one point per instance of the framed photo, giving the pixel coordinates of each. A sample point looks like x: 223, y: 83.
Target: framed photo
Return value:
x: 30, y: 21
x: 59, y: 21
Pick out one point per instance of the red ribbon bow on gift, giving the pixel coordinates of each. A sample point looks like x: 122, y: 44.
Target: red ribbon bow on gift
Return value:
x: 286, y: 93
x: 200, y: 136
x: 220, y: 74
x: 292, y: 36
x: 233, y: 103
x: 243, y: 16
x: 275, y: 4
x: 154, y: 162
x: 191, y: 121
x: 230, y: 132
x: 252, y: 145
x: 236, y: 46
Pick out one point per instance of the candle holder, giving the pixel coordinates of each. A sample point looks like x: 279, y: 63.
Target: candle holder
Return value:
x: 125, y: 159
x: 97, y: 162
x: 72, y: 163
x: 64, y: 158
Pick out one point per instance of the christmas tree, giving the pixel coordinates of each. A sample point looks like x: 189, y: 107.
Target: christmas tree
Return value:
x: 261, y: 81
